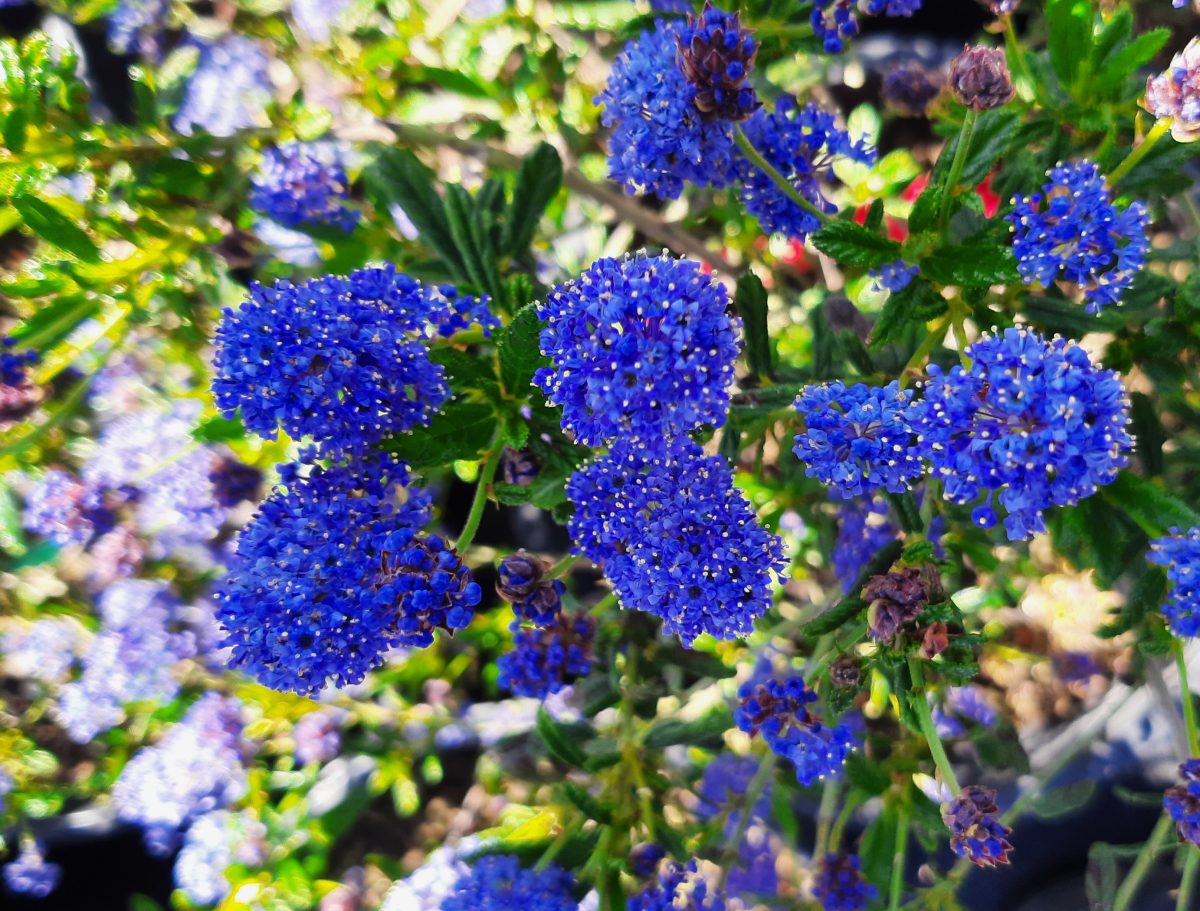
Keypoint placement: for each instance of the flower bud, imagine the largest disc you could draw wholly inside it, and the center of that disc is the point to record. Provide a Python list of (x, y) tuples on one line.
[(519, 575), (716, 56), (846, 671), (980, 79), (909, 89), (935, 640), (644, 858), (518, 467), (1176, 93)]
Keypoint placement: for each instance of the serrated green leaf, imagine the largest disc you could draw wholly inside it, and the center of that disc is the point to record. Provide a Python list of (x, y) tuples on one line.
[(994, 133), (562, 744), (461, 432), (978, 264), (917, 302), (511, 494), (710, 728), (219, 430), (55, 228), (1069, 27), (1128, 60), (1054, 802), (537, 183), (854, 245), (750, 299), (519, 352)]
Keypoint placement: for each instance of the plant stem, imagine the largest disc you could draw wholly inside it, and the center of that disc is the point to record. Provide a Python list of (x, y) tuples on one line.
[(956, 168), (603, 604), (487, 471), (1191, 867), (563, 566), (839, 825), (1186, 697), (1141, 866), (753, 792), (1157, 132), (1012, 45), (757, 159), (900, 857), (932, 338), (825, 815), (920, 706), (958, 316)]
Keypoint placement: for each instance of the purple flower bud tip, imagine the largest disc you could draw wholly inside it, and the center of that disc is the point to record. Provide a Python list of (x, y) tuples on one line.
[(980, 79)]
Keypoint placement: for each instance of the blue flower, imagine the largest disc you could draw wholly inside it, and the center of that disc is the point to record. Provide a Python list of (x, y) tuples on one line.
[(1182, 802), (643, 349), (340, 360), (864, 529), (778, 709), (229, 89), (318, 736), (19, 395), (31, 874), (306, 600), (726, 779), (975, 831), (678, 886), (1180, 554), (543, 661), (65, 510), (893, 277), (716, 56), (534, 599), (303, 183), (212, 843), (428, 585), (857, 440), (839, 884), (801, 143), (660, 139), (835, 22), (1073, 229), (136, 26), (316, 18), (457, 312), (961, 702), (499, 883), (676, 538), (1030, 419)]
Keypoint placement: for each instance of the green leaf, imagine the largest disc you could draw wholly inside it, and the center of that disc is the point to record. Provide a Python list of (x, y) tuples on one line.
[(15, 130), (1100, 881), (1130, 58), (219, 430), (1148, 431), (462, 431), (512, 494), (994, 133), (559, 740), (472, 242), (1149, 505), (54, 227), (519, 352), (537, 183), (750, 299), (917, 302), (854, 245), (1068, 27), (588, 805), (467, 371), (924, 214), (852, 605), (708, 729), (1061, 801), (979, 264)]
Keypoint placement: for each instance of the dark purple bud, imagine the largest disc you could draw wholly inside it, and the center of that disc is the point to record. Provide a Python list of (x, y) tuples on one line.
[(716, 55), (234, 482), (518, 467), (980, 79), (519, 575), (909, 89), (975, 832), (846, 671), (644, 858)]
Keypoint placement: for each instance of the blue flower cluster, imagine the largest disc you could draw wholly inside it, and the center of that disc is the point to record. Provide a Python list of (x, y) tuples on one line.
[(864, 529), (1073, 228), (63, 509), (1180, 554), (19, 395), (318, 736), (303, 602), (427, 585), (678, 886), (499, 883), (677, 539), (340, 360), (660, 139), (1182, 802), (643, 349), (229, 89), (434, 881), (234, 482), (801, 144), (47, 649), (962, 702), (136, 26), (30, 873), (303, 183), (1030, 419), (543, 661), (835, 22), (316, 18), (778, 709), (858, 439), (893, 277), (534, 599), (212, 843), (716, 55), (197, 767), (726, 778), (840, 886), (975, 831), (457, 312)]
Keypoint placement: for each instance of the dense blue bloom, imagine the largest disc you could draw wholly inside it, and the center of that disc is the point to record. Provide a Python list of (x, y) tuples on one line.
[(1180, 554), (428, 586), (46, 649), (676, 538), (716, 55), (229, 89), (801, 143), (14, 365), (660, 139), (519, 580), (340, 360), (864, 529), (31, 874), (839, 884), (499, 883), (196, 768), (433, 882), (678, 887), (305, 601), (136, 26), (1073, 229), (671, 6), (726, 778), (778, 709), (303, 183), (975, 831), (543, 661), (1182, 802), (893, 277), (857, 439), (1030, 419), (19, 395), (643, 349)]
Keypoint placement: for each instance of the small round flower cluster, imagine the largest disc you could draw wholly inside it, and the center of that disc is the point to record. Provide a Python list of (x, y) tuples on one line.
[(910, 89), (1180, 554), (778, 709), (1073, 229), (46, 649), (212, 843), (427, 585), (63, 509), (30, 873), (716, 55), (857, 439), (340, 360), (864, 529), (195, 769), (136, 26), (1031, 419), (975, 832), (520, 582), (678, 886), (643, 349), (1175, 94), (893, 277), (229, 89), (840, 886), (677, 539), (835, 22), (1182, 802), (303, 183), (543, 661), (318, 736), (801, 143), (499, 883), (303, 603), (896, 599), (966, 702)]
